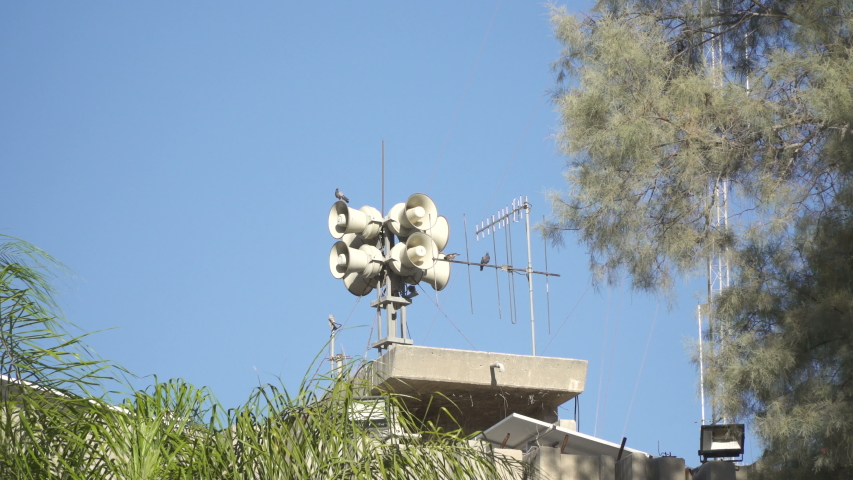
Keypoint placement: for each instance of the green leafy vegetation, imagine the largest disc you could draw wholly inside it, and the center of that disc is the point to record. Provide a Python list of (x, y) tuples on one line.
[(55, 426)]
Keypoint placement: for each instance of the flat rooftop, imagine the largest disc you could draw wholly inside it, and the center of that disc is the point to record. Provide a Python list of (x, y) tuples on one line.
[(474, 388)]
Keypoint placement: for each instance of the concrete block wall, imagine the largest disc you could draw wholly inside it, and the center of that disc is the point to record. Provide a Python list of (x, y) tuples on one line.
[(550, 464), (669, 468), (636, 467), (553, 465), (510, 473), (715, 471), (633, 468)]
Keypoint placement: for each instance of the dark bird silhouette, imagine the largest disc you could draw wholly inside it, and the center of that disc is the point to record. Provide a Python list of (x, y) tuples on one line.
[(451, 256), (410, 292), (340, 195), (333, 324), (485, 260)]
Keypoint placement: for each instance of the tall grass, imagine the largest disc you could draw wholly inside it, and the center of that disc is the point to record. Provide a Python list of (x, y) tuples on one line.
[(55, 425)]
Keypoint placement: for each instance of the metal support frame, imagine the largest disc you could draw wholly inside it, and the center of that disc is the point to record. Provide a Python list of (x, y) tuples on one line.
[(388, 298)]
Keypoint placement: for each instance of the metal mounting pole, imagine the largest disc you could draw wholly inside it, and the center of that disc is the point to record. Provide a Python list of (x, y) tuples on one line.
[(332, 358), (530, 274), (701, 363)]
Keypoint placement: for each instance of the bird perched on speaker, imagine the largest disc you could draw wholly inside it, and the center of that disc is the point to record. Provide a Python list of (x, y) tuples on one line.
[(340, 196), (451, 256), (485, 260)]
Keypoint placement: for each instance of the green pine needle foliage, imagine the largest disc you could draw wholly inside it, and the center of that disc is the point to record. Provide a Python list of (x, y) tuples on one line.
[(661, 100)]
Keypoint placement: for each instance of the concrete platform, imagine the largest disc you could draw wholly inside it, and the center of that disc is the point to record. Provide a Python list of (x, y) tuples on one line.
[(472, 387)]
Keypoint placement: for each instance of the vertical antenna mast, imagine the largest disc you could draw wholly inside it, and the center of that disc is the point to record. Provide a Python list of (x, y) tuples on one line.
[(701, 364), (547, 289), (718, 198), (468, 261), (530, 272), (334, 359)]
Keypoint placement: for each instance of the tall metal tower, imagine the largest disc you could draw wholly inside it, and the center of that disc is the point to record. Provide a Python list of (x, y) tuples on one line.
[(718, 208)]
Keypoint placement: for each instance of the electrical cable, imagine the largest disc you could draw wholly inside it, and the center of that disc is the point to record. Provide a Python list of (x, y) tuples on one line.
[(601, 368), (464, 93), (350, 313), (612, 355), (449, 320), (564, 321), (437, 312), (369, 336), (643, 362), (578, 413), (514, 154)]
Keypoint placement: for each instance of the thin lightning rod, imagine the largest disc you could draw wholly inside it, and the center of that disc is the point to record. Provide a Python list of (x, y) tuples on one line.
[(530, 273), (383, 177)]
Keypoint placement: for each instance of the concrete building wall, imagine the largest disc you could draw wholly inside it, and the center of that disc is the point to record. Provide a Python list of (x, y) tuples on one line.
[(510, 473), (550, 464), (715, 471)]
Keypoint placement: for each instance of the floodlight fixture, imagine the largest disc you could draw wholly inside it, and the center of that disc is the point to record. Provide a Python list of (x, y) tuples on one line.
[(724, 441)]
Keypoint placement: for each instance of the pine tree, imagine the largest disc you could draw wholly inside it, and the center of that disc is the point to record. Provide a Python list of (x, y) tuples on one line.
[(650, 125)]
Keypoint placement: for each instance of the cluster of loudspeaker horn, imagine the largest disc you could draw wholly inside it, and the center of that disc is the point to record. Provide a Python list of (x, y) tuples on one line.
[(412, 238)]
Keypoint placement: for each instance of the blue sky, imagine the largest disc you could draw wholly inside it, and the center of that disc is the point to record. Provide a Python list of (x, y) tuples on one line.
[(181, 158)]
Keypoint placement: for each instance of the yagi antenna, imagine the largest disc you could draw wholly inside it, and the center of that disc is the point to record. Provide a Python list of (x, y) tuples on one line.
[(519, 209)]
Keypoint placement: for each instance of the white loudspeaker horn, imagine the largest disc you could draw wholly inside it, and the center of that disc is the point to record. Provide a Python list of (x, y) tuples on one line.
[(366, 221), (418, 253), (436, 277), (366, 260), (359, 285), (440, 232), (420, 212), (392, 221), (352, 240)]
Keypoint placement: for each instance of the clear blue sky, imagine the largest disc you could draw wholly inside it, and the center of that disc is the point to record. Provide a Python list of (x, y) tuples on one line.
[(181, 158)]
